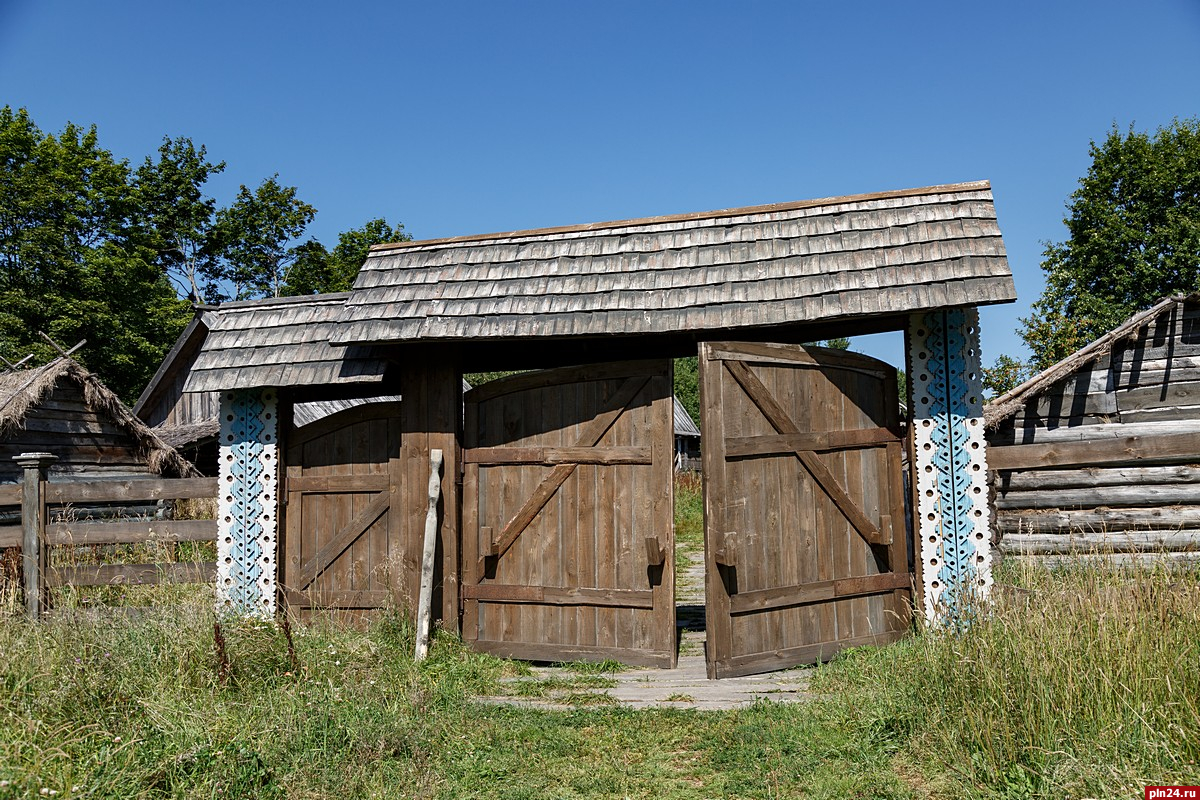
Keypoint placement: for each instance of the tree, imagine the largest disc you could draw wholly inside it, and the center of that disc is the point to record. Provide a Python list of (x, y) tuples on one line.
[(177, 218), (256, 237), (74, 259), (318, 271), (1134, 226)]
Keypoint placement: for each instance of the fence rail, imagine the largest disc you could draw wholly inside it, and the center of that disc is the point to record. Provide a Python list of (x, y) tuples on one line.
[(45, 524)]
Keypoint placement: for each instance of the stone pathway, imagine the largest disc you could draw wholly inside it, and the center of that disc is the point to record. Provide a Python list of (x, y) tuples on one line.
[(687, 686)]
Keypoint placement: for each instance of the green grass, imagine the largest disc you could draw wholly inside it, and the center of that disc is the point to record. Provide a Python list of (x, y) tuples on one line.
[(1085, 685), (689, 518)]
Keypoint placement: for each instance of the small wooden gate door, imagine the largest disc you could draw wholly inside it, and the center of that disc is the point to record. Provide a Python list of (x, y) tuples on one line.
[(340, 549), (805, 544), (568, 544)]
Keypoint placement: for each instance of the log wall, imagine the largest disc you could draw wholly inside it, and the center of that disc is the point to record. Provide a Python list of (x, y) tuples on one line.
[(86, 441), (1108, 458)]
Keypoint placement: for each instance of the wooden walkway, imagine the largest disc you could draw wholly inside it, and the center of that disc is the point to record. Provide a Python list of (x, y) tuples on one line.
[(686, 686)]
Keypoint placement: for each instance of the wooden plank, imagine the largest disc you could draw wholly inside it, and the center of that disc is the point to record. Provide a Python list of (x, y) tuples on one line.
[(1107, 450), (325, 598), (1099, 520), (818, 592), (1026, 480), (81, 533), (1141, 561), (561, 596), (782, 423), (343, 539), (1162, 414), (132, 574), (540, 651), (752, 663), (10, 536), (117, 491), (338, 484), (561, 376), (1112, 496), (1103, 542), (1026, 436), (10, 494), (778, 444), (298, 437), (549, 485), (551, 456), (790, 356)]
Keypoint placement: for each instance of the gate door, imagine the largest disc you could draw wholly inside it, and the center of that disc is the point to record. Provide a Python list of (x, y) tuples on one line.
[(567, 519), (337, 551), (805, 544)]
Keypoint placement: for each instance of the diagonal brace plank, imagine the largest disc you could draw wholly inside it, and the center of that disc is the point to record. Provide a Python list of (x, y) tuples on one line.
[(344, 538), (589, 437), (782, 422)]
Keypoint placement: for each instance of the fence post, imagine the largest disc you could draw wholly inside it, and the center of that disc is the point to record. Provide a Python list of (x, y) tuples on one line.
[(34, 558)]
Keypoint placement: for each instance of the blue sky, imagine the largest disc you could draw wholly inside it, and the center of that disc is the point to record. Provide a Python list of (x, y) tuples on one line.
[(460, 118)]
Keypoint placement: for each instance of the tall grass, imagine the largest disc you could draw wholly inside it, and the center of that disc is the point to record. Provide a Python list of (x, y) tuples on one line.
[(1084, 683), (144, 708)]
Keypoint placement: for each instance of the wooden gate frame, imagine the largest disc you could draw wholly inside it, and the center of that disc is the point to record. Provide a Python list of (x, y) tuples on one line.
[(789, 439), (564, 461)]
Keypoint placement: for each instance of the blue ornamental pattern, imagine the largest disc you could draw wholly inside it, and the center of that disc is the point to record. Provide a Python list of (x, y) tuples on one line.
[(951, 471), (246, 556)]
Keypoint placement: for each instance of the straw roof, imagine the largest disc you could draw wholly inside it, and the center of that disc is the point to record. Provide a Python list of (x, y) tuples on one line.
[(23, 390)]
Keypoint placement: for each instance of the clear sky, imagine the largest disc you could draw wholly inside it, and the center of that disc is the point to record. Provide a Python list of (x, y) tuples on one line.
[(472, 117)]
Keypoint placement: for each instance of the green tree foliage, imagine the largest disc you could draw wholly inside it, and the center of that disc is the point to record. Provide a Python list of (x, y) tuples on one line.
[(76, 255), (687, 385), (179, 218), (318, 270), (257, 238), (1134, 226)]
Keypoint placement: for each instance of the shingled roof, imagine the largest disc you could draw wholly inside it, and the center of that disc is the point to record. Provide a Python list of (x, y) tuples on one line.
[(280, 342), (878, 254)]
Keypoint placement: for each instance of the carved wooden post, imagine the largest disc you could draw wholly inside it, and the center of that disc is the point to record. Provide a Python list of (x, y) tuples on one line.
[(424, 602), (246, 503), (950, 470), (34, 557)]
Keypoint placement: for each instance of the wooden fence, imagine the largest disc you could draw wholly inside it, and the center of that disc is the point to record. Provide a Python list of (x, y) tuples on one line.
[(46, 524)]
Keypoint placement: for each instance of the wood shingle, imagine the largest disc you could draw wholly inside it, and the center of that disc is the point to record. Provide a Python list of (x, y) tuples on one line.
[(879, 254), (283, 342)]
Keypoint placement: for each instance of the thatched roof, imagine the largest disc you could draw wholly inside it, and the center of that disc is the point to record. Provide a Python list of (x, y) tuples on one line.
[(179, 436), (1009, 403), (23, 390), (887, 254)]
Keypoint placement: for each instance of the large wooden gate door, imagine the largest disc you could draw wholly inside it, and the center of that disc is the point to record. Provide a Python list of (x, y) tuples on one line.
[(340, 550), (567, 515), (805, 544)]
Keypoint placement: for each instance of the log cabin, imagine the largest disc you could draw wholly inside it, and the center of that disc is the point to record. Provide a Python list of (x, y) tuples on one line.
[(1100, 453)]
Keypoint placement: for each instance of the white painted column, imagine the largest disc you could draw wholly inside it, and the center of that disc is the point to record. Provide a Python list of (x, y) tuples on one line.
[(950, 487), (247, 528)]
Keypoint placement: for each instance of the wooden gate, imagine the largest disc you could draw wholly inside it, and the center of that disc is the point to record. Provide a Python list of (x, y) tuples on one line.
[(805, 544), (568, 544), (341, 549)]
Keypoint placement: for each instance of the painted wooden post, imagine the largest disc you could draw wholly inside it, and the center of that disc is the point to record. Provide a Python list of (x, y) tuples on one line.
[(950, 470), (247, 503), (35, 559)]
